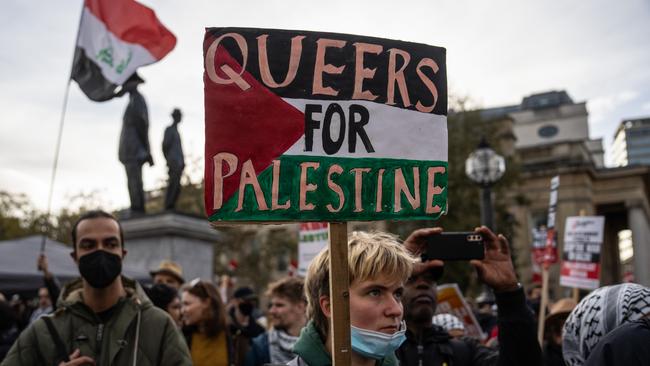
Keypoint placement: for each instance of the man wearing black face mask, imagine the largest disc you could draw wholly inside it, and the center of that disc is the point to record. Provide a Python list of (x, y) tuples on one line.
[(102, 318), (429, 345)]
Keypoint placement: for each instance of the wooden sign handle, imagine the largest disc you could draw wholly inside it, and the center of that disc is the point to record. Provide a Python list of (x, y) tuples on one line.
[(542, 306), (339, 294)]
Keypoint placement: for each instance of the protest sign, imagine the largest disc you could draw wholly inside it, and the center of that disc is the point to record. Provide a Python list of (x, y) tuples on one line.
[(451, 301), (312, 239), (310, 126), (537, 254), (583, 237)]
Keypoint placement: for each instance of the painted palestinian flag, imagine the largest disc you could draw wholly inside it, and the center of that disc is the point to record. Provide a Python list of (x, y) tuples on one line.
[(115, 38), (306, 126)]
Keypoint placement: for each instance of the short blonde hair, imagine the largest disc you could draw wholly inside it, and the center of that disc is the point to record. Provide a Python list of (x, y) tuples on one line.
[(370, 255)]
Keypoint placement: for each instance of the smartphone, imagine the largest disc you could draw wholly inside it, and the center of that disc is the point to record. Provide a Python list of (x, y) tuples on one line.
[(455, 246)]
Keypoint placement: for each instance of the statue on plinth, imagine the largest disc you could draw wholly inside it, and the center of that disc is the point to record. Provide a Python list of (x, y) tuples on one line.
[(134, 142), (173, 151)]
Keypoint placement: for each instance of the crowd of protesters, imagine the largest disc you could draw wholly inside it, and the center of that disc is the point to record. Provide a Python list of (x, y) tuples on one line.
[(106, 318)]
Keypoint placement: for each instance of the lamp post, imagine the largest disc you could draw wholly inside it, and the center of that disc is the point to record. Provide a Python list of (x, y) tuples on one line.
[(485, 167)]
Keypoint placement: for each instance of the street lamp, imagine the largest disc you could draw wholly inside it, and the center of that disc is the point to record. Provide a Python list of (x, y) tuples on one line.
[(485, 167)]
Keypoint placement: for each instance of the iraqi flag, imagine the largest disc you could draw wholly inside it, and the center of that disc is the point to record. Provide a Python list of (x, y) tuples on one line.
[(115, 38), (311, 126)]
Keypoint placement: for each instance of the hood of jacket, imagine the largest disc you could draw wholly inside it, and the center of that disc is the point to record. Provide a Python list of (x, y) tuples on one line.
[(433, 334), (71, 297)]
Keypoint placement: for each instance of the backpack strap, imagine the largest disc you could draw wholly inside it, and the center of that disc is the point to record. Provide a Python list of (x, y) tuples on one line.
[(58, 343)]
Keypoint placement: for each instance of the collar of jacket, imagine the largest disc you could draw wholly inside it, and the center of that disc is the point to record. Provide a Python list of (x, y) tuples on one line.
[(433, 334), (72, 293), (311, 349)]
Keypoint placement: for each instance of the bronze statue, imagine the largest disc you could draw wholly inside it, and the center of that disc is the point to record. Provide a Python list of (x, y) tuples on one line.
[(134, 142), (173, 151)]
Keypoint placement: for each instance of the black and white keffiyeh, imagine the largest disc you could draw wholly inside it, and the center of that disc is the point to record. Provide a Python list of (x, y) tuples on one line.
[(598, 314), (281, 346), (448, 322)]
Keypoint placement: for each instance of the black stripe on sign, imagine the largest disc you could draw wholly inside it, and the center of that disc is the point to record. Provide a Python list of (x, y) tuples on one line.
[(278, 51)]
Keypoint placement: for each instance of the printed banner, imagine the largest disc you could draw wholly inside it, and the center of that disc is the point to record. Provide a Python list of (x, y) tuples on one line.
[(314, 237), (583, 237), (309, 126), (451, 301), (538, 252)]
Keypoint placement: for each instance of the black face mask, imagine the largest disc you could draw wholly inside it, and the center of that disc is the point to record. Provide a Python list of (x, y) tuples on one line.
[(246, 308), (100, 268)]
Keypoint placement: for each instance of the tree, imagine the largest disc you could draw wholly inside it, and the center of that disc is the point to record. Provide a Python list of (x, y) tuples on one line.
[(18, 217)]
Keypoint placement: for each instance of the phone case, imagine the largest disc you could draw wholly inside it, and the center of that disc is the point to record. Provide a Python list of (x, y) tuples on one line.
[(455, 246)]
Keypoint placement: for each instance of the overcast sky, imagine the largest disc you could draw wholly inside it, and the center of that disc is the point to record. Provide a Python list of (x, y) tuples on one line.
[(497, 53)]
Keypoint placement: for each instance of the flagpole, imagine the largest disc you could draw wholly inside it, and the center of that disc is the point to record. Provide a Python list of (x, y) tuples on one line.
[(55, 164), (57, 149)]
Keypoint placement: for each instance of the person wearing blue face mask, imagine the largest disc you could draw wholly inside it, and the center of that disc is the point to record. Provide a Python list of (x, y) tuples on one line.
[(102, 318), (378, 265)]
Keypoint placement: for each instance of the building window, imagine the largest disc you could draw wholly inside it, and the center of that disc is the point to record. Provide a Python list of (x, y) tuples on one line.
[(547, 131), (625, 248)]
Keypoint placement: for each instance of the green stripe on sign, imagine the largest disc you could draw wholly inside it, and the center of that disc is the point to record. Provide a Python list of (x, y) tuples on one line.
[(340, 189)]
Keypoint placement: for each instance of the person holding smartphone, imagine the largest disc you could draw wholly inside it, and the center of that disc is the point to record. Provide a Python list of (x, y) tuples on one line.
[(427, 344)]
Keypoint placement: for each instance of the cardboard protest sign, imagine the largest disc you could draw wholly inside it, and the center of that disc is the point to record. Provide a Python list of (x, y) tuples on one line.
[(451, 301), (313, 238), (310, 126), (583, 237), (539, 249)]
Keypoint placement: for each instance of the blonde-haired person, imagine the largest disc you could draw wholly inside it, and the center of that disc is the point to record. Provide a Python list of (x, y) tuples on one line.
[(378, 265)]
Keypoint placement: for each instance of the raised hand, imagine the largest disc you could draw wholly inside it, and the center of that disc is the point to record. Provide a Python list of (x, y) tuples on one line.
[(416, 244), (496, 269)]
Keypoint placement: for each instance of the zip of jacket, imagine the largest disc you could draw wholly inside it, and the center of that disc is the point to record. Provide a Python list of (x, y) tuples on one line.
[(99, 337)]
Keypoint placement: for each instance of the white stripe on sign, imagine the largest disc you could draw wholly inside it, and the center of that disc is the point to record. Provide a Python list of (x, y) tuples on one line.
[(116, 58), (392, 132)]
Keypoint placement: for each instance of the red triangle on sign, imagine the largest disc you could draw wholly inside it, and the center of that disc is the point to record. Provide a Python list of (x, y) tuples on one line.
[(252, 124)]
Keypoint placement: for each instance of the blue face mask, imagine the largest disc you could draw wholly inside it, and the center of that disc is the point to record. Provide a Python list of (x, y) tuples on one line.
[(376, 345)]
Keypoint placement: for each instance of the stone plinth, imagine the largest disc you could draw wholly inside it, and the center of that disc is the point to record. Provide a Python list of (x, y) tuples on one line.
[(186, 240)]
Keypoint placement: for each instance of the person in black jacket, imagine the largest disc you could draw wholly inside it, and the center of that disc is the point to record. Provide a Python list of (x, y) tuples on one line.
[(626, 345), (429, 345), (598, 314)]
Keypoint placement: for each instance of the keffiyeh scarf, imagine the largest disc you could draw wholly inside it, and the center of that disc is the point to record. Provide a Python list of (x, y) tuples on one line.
[(598, 314), (448, 322), (281, 346)]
